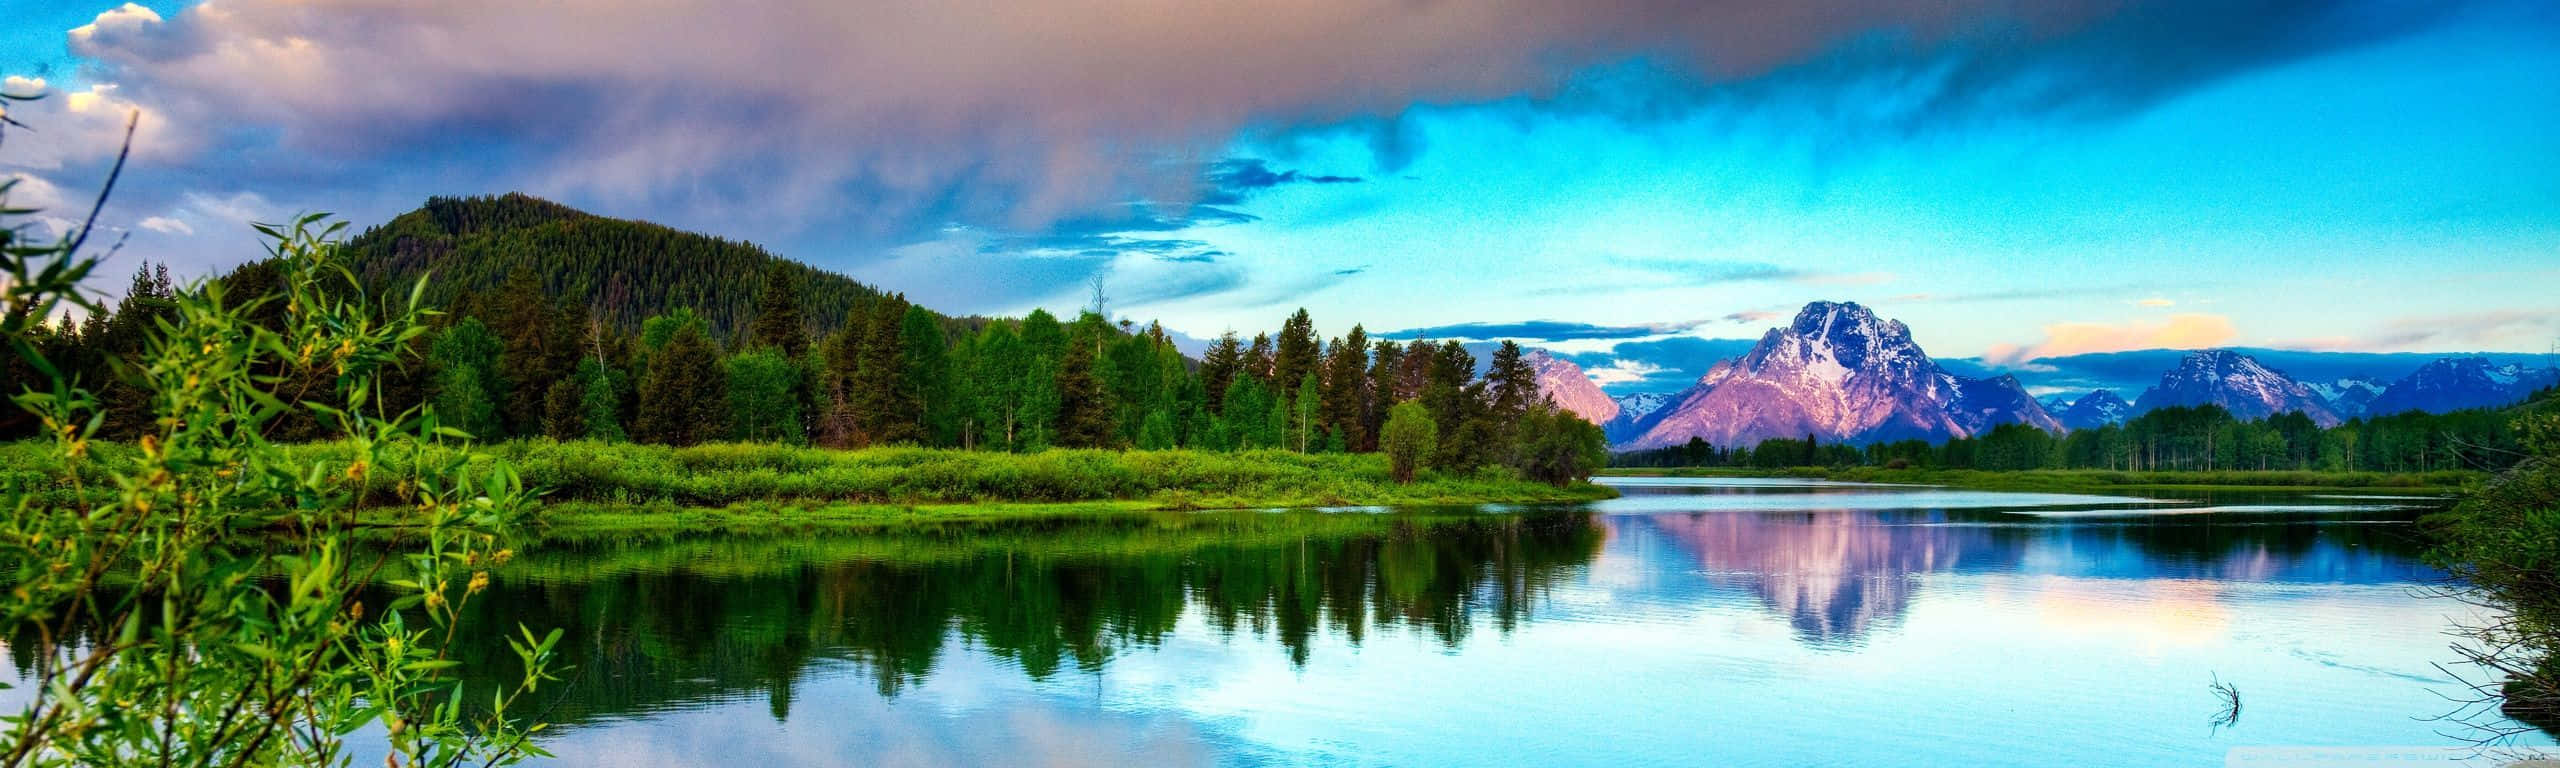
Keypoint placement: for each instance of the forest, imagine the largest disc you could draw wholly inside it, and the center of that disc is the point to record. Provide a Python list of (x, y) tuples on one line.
[(2203, 438), (739, 346)]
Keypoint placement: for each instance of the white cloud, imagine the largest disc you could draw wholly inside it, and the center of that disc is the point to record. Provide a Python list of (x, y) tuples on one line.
[(167, 226), (1621, 371)]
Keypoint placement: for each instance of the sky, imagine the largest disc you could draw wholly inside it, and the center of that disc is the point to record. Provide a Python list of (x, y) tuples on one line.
[(1623, 179)]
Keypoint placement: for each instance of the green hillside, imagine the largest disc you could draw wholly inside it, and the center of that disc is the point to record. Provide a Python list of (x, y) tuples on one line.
[(624, 270)]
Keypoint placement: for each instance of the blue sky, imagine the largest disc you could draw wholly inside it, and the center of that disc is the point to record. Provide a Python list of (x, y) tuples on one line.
[(2365, 175)]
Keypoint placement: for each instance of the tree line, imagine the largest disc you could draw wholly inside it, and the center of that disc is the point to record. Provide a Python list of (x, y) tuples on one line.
[(521, 360), (2197, 438)]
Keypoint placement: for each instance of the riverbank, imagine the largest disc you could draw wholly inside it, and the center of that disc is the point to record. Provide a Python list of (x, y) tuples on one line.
[(2097, 481), (608, 484)]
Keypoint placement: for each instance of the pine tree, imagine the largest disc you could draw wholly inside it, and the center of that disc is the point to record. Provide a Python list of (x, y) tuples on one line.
[(884, 411), (599, 402), (780, 320), (1257, 359), (1220, 365), (1384, 389), (840, 359), (1298, 350), (1084, 405), (564, 416), (925, 376), (1346, 388), (539, 348), (683, 395)]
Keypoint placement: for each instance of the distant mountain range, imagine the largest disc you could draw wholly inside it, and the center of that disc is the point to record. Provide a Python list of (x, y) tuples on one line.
[(1841, 374), (1838, 373)]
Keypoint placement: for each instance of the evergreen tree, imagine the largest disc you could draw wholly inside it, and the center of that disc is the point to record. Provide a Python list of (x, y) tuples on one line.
[(1385, 389), (599, 403), (564, 416), (1298, 350), (925, 375), (1221, 364), (1346, 388), (683, 397), (884, 409), (1084, 405), (541, 348), (1257, 358), (839, 363), (780, 321), (121, 336)]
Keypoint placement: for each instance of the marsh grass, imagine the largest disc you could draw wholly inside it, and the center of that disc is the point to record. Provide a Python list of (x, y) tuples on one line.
[(739, 483)]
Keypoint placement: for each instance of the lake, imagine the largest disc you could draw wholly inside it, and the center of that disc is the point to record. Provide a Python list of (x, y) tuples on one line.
[(1691, 622)]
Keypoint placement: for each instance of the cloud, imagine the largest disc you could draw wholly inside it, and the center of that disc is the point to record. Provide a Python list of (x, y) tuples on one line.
[(2512, 329), (897, 118), (2183, 331), (1540, 330), (1231, 180), (1623, 371), (1753, 316), (167, 226), (2156, 302)]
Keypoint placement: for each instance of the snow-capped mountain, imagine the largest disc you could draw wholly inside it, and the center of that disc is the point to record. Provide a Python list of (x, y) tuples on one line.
[(1838, 373), (2455, 383), (1985, 403), (1642, 404), (2096, 409), (1570, 388), (2348, 398), (2238, 383)]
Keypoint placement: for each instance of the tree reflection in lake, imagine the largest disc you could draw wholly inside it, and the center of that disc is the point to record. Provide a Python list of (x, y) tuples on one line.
[(1425, 635), (682, 621)]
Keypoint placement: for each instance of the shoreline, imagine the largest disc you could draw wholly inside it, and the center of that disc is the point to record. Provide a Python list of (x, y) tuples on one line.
[(2442, 483)]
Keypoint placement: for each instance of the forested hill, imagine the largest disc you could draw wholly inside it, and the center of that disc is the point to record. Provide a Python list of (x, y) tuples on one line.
[(624, 270)]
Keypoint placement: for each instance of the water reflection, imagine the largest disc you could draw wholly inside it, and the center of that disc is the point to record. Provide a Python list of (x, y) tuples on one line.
[(674, 622), (1838, 574), (1769, 624)]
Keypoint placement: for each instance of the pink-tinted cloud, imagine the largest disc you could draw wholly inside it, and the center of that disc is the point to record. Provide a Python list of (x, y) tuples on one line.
[(1033, 110), (2183, 331), (2514, 329)]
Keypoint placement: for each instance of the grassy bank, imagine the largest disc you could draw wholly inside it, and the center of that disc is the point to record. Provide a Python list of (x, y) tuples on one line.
[(2097, 480), (750, 483)]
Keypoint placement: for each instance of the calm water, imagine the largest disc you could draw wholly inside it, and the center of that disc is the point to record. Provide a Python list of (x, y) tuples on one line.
[(1692, 622)]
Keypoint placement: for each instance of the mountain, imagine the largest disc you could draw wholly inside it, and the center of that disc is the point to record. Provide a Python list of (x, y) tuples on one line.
[(2455, 383), (624, 270), (1985, 403), (1642, 404), (1571, 389), (2096, 409), (1838, 373), (2238, 383), (2349, 398)]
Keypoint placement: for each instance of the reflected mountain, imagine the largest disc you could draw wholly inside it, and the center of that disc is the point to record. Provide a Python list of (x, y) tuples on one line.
[(1836, 575)]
